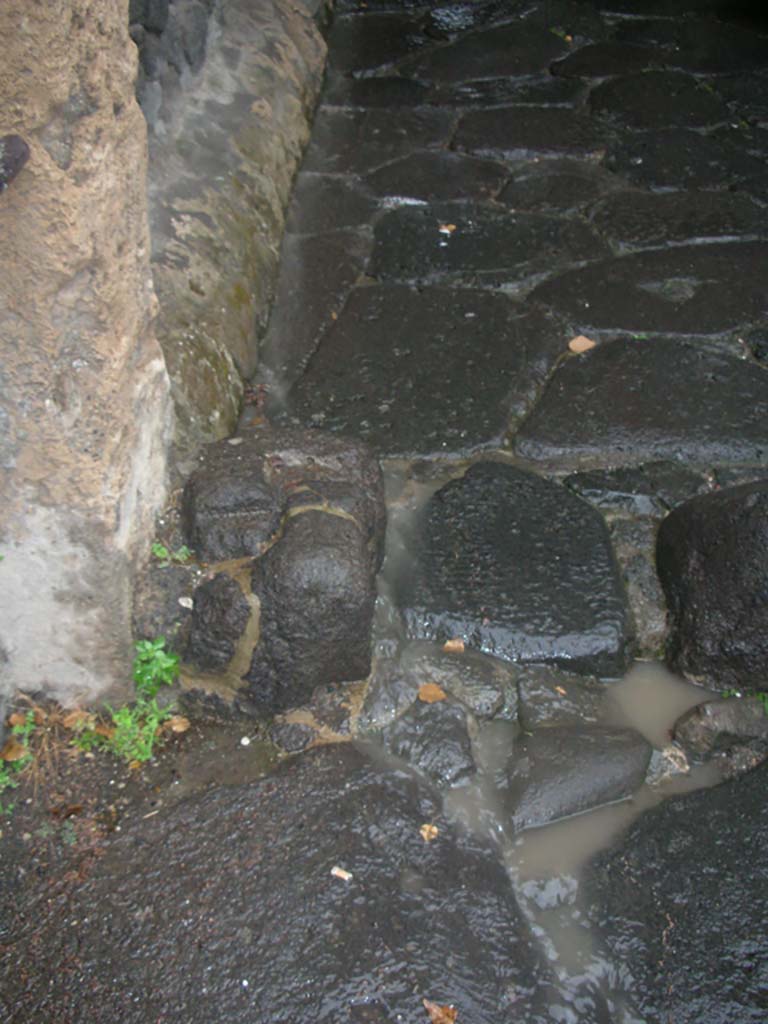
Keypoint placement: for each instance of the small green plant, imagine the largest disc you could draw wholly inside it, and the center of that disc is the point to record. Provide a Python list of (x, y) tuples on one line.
[(133, 729), (760, 695), (17, 757), (167, 557)]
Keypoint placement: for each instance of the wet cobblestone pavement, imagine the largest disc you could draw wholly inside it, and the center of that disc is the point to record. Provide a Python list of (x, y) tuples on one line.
[(526, 262)]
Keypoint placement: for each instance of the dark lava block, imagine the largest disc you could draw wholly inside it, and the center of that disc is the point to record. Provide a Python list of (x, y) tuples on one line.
[(438, 175), (718, 727), (536, 90), (550, 696), (632, 401), (433, 738), (427, 371), (518, 567), (695, 289), (499, 52), (235, 501), (556, 186), (560, 771), (367, 46), (651, 219), (657, 99), (649, 490), (712, 557), (358, 141), (317, 590), (233, 906), (476, 241), (219, 618), (681, 901), (681, 159), (341, 91), (324, 202), (599, 60), (322, 269), (516, 133)]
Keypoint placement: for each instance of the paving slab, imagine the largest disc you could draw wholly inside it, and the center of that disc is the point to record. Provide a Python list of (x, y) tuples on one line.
[(476, 240), (557, 186), (370, 44), (657, 99), (680, 902), (681, 159), (322, 269), (440, 174), (328, 202), (386, 91), (309, 895), (693, 289), (701, 45), (645, 219), (417, 372), (519, 133), (600, 60), (632, 401), (503, 51), (518, 567), (359, 141), (535, 90), (745, 94), (649, 490)]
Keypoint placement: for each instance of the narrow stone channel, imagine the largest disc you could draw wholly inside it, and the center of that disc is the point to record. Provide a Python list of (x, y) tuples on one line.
[(525, 266)]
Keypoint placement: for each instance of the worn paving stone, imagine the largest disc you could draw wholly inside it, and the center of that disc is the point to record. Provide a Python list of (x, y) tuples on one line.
[(695, 289), (633, 401), (487, 686), (551, 696), (700, 45), (244, 893), (364, 46), (359, 141), (602, 59), (649, 490), (697, 861), (680, 159), (652, 219), (519, 568), (387, 92), (557, 186), (559, 771), (712, 556), (540, 90), (745, 94), (657, 99), (326, 202), (476, 242), (519, 133), (426, 371), (435, 739), (502, 51), (321, 269), (438, 175)]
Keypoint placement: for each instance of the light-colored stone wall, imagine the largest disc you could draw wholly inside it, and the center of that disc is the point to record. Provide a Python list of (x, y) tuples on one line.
[(85, 414), (221, 167)]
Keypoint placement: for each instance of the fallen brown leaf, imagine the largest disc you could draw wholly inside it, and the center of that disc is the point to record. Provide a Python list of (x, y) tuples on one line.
[(455, 646), (178, 723), (440, 1014), (431, 693), (342, 873), (581, 343), (428, 832), (75, 719), (13, 750), (107, 731), (17, 719), (446, 229), (562, 691)]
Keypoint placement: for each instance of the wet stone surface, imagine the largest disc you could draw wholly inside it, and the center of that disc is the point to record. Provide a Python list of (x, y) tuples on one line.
[(518, 133), (438, 175), (712, 555), (556, 186), (435, 739), (628, 401), (600, 60), (642, 219), (649, 490), (657, 99), (519, 568), (681, 900), (560, 771), (476, 242), (423, 371), (268, 931), (673, 291)]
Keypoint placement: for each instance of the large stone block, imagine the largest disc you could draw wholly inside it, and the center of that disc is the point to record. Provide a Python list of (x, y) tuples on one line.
[(712, 558), (295, 522), (85, 412)]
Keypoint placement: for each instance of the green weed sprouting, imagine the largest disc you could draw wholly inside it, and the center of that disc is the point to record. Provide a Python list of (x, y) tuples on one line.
[(10, 770)]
